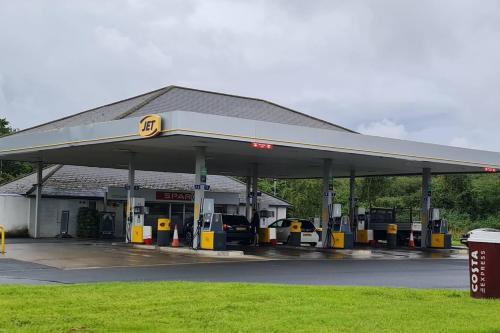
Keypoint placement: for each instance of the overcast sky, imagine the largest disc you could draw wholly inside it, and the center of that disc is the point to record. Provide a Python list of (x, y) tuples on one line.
[(420, 70)]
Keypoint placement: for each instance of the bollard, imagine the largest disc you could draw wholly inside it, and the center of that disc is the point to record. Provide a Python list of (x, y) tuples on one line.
[(163, 235), (264, 236), (2, 230), (295, 233), (272, 236), (392, 235), (147, 235)]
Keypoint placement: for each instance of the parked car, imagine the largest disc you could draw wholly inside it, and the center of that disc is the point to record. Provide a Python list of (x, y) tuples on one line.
[(308, 235), (237, 228)]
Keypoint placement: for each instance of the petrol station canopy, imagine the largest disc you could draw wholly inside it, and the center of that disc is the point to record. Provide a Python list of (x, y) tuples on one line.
[(237, 132)]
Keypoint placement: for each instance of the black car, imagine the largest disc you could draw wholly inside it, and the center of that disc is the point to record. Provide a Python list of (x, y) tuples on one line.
[(237, 228)]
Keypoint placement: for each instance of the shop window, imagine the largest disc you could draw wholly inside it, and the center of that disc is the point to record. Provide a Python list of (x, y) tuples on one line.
[(220, 209)]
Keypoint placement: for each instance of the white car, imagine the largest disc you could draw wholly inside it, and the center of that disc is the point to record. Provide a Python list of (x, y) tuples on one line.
[(308, 234)]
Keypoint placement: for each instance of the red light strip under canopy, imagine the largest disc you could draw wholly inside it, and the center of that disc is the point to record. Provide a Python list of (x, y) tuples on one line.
[(259, 145)]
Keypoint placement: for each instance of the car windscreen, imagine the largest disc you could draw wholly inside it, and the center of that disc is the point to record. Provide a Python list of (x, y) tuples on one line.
[(307, 224), (234, 220)]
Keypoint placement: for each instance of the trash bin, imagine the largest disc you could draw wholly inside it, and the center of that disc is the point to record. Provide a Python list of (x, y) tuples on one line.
[(484, 263), (295, 233), (392, 236), (163, 235)]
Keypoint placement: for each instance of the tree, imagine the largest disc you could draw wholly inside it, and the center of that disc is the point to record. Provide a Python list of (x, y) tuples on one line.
[(11, 169), (4, 127)]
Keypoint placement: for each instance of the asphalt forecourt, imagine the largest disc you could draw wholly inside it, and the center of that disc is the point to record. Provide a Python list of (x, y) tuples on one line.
[(230, 307), (436, 273)]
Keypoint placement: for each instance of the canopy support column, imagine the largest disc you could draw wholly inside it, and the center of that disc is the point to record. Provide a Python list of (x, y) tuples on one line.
[(352, 201), (327, 199), (248, 212), (255, 187), (199, 192), (130, 196), (426, 205), (38, 197)]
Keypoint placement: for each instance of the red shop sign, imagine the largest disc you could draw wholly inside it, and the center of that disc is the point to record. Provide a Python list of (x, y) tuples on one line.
[(174, 196)]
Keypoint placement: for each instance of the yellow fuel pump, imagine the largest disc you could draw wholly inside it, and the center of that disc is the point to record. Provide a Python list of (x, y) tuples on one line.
[(438, 229)]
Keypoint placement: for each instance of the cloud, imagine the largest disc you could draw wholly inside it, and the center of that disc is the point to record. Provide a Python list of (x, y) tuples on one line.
[(384, 128), (426, 70)]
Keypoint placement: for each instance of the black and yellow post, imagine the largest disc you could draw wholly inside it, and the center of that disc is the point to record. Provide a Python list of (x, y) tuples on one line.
[(392, 236), (295, 233), (163, 235)]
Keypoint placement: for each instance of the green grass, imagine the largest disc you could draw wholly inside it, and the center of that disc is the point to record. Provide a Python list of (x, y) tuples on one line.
[(218, 307)]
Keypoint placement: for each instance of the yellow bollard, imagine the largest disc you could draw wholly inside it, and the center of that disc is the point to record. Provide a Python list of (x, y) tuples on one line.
[(2, 230)]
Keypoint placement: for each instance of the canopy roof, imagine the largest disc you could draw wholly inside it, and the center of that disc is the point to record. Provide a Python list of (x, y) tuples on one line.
[(87, 182), (228, 131), (173, 98)]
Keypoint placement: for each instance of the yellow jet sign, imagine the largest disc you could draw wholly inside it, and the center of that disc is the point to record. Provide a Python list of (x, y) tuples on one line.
[(150, 126)]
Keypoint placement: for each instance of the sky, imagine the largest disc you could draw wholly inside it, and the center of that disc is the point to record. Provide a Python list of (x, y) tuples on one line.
[(419, 70)]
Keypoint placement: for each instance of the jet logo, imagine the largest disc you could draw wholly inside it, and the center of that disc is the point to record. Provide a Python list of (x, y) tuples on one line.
[(150, 126)]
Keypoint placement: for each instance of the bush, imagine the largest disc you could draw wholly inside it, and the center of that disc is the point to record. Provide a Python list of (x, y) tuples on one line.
[(460, 223), (88, 223)]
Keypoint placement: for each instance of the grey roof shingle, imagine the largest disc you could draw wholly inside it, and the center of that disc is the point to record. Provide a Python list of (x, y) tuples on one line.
[(230, 106), (186, 99), (104, 113), (79, 181)]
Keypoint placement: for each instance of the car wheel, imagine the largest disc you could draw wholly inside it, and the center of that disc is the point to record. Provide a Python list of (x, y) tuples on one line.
[(288, 240), (313, 244)]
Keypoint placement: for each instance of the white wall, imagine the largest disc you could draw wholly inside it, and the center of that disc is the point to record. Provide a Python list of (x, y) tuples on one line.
[(281, 213), (117, 208), (14, 212), (50, 215)]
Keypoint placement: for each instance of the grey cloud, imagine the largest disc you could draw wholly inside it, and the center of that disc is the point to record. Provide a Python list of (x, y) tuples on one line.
[(428, 67)]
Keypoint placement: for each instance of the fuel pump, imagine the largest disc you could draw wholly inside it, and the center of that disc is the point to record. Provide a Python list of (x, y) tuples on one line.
[(334, 215), (342, 233), (213, 236), (438, 230), (207, 207), (137, 224), (363, 233)]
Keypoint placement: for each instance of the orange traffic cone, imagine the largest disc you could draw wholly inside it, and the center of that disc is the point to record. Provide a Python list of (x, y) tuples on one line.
[(175, 241), (411, 242)]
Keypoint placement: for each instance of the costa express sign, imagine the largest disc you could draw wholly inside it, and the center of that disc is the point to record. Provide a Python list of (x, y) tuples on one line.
[(150, 126), (174, 196)]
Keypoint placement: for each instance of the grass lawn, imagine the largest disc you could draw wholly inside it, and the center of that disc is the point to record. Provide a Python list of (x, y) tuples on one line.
[(232, 307)]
